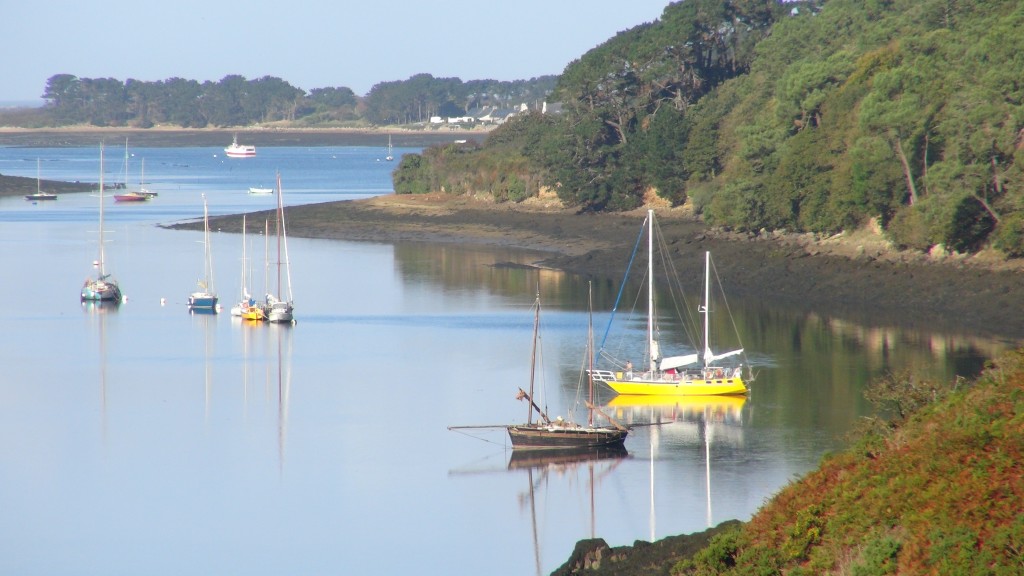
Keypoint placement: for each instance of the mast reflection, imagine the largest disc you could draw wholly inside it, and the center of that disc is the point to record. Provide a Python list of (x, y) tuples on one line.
[(687, 421), (97, 311), (562, 463)]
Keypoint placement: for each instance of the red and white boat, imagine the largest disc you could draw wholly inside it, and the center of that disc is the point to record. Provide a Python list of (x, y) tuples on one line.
[(237, 150)]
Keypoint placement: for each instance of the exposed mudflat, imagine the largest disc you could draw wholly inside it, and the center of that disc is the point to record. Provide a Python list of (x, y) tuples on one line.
[(857, 276)]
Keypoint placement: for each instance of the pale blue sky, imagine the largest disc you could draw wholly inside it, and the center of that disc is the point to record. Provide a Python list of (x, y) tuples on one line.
[(308, 43)]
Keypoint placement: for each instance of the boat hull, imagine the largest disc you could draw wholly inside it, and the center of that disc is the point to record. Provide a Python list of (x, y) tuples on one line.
[(100, 291), (546, 437), (131, 197), (732, 385), (279, 312), (202, 303), (247, 311), (239, 151)]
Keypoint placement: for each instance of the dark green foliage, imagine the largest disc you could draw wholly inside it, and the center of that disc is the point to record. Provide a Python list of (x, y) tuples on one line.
[(422, 96), (660, 150), (879, 558), (412, 175), (236, 101), (808, 116), (233, 101), (1009, 236)]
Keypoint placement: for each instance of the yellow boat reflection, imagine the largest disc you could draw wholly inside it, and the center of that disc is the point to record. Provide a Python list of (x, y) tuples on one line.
[(717, 408)]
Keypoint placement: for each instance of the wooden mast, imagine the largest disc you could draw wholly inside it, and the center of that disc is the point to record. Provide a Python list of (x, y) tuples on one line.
[(533, 357)]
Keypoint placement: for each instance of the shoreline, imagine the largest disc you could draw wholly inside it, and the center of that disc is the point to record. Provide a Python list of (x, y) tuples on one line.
[(855, 278), (157, 137)]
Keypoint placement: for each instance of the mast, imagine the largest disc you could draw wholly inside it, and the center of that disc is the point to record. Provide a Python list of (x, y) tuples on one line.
[(266, 257), (244, 295), (284, 238), (650, 290), (590, 354), (126, 165), (707, 307), (208, 271), (279, 210), (38, 185), (533, 355), (102, 273)]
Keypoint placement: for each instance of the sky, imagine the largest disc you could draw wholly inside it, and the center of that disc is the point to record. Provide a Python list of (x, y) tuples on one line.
[(307, 43)]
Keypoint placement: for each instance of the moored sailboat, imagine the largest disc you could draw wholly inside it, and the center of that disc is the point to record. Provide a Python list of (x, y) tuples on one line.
[(277, 309), (246, 309), (561, 434), (101, 288), (39, 194), (205, 298), (676, 375), (129, 195)]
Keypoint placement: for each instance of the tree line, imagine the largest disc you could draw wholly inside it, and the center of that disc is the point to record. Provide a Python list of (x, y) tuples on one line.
[(807, 116), (237, 101)]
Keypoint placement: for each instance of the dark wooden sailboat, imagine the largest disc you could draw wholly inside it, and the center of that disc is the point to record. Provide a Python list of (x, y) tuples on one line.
[(547, 434)]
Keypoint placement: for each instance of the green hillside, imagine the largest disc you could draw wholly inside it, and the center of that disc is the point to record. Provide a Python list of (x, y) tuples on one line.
[(805, 116), (934, 488), (939, 492)]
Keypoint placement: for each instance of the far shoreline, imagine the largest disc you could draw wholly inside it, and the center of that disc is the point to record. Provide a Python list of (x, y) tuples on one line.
[(158, 137)]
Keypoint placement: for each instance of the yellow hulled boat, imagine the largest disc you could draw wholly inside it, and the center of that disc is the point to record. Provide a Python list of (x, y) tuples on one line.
[(697, 374)]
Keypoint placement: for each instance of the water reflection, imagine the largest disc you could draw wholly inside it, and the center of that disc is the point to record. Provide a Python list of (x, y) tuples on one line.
[(97, 311), (545, 467), (283, 339), (684, 421), (266, 363)]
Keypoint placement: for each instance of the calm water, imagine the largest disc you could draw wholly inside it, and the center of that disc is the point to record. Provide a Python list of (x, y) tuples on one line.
[(145, 440)]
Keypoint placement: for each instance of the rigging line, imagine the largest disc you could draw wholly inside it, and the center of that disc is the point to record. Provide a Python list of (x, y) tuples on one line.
[(728, 310), (468, 435), (636, 248), (676, 291), (691, 324)]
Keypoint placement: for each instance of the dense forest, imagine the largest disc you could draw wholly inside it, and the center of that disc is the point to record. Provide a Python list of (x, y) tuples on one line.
[(236, 101), (815, 116)]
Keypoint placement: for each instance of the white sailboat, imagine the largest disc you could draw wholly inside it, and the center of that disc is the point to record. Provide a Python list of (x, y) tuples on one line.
[(129, 195), (278, 309), (40, 195), (391, 155), (246, 307), (675, 375), (205, 298), (101, 288)]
